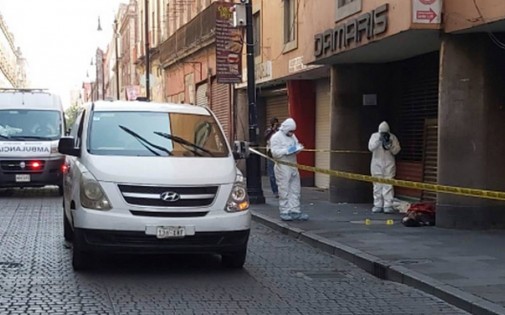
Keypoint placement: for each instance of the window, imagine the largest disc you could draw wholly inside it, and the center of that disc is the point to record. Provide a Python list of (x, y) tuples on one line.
[(341, 3), (346, 8), (77, 129), (30, 125), (290, 27), (188, 9), (156, 134), (257, 34)]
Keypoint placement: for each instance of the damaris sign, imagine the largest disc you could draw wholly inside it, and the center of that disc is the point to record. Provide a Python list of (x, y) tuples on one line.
[(343, 35)]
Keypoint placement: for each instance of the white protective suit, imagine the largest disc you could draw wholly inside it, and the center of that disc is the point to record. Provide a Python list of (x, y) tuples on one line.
[(287, 177), (383, 165)]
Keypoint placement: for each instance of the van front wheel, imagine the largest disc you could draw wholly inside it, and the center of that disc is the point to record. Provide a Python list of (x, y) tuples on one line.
[(81, 260), (234, 260), (67, 229)]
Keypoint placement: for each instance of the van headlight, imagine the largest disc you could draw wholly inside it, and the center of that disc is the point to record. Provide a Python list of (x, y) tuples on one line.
[(92, 194), (239, 198)]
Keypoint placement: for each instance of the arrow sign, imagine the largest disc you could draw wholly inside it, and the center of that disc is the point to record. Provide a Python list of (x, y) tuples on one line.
[(429, 15), (427, 11)]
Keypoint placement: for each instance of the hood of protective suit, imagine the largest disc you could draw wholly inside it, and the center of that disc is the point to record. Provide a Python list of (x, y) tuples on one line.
[(383, 127), (288, 125)]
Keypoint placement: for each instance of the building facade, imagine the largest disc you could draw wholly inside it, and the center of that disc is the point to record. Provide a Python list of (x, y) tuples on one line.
[(187, 59), (432, 68), (12, 63)]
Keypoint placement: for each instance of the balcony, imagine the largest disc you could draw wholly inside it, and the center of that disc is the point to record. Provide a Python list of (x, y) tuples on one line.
[(190, 37)]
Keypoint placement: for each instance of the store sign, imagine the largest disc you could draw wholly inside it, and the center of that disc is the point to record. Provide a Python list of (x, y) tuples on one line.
[(229, 44), (427, 11), (368, 25), (296, 65), (263, 71)]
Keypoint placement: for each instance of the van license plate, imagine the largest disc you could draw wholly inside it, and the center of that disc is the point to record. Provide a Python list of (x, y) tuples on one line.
[(170, 232), (22, 178)]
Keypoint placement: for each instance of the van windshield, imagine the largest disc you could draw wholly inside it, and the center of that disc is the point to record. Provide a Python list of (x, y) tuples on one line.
[(155, 134), (30, 125)]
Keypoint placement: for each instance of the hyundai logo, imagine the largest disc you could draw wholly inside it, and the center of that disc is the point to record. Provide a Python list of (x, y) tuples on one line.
[(170, 196), (22, 165)]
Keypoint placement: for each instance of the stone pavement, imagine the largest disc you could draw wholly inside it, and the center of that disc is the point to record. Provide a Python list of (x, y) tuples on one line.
[(282, 276), (463, 267)]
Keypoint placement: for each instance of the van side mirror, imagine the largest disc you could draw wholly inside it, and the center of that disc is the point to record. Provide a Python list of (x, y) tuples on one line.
[(66, 146), (241, 150)]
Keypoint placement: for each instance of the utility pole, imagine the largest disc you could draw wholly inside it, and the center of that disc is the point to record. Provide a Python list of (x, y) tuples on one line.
[(148, 92), (253, 162)]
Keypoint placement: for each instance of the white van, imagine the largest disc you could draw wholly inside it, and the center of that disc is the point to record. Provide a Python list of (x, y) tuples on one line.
[(147, 177), (31, 123)]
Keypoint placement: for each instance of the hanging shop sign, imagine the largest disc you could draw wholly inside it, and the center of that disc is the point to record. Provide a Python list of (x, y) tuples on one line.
[(229, 44), (367, 25)]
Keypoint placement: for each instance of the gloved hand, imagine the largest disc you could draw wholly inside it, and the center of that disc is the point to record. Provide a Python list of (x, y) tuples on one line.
[(292, 149), (385, 138)]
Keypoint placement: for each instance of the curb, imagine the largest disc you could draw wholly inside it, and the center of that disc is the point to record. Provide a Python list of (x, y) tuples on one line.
[(384, 270)]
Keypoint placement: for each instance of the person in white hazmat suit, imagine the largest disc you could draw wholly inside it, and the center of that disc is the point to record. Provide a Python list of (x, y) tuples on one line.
[(384, 146), (284, 146)]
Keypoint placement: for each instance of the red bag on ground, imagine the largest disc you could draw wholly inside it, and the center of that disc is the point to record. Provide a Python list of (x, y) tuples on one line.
[(420, 214)]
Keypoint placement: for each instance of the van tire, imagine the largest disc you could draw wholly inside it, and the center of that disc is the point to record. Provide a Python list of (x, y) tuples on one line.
[(80, 260), (234, 260), (67, 228)]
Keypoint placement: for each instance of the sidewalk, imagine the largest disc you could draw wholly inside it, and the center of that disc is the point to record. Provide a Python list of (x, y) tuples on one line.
[(464, 268)]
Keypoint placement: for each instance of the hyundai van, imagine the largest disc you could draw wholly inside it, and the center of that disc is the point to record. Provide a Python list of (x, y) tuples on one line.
[(145, 177)]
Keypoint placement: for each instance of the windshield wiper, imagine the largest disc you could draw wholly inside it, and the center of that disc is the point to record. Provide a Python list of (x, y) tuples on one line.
[(29, 138), (184, 142), (143, 142), (4, 137)]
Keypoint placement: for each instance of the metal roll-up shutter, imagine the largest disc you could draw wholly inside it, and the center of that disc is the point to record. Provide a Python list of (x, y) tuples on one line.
[(277, 106), (221, 105), (419, 103), (323, 131), (201, 95), (430, 161)]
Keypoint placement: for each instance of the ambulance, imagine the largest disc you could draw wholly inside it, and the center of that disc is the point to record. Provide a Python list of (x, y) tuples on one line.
[(31, 124)]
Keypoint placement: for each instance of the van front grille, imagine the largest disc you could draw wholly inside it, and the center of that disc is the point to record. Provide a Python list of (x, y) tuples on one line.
[(170, 197)]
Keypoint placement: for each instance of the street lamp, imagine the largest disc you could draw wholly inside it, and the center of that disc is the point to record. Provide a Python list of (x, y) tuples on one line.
[(146, 26), (102, 63), (116, 36), (99, 73)]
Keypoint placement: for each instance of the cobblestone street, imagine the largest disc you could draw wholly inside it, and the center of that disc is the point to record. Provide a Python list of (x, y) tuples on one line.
[(281, 276)]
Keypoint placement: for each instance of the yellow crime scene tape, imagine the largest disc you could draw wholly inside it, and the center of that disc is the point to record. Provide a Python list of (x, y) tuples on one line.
[(467, 192), (326, 151)]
